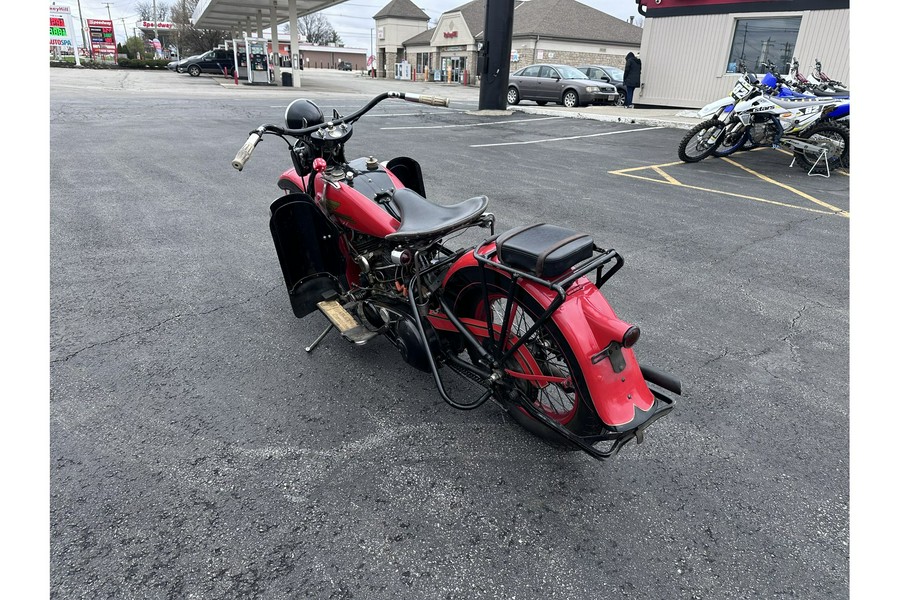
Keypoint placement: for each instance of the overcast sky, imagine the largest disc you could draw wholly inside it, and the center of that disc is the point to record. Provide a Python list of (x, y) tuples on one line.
[(352, 20)]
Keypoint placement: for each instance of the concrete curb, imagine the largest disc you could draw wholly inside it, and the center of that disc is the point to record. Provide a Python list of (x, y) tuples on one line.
[(676, 122)]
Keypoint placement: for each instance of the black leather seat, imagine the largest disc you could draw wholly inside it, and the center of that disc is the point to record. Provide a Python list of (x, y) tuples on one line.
[(420, 218)]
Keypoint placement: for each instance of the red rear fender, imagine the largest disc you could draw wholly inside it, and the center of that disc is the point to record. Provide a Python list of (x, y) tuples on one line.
[(589, 325)]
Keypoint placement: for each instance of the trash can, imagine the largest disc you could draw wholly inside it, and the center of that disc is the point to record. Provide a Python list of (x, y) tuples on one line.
[(287, 79)]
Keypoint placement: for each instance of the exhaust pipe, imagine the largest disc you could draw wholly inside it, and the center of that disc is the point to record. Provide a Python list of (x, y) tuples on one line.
[(663, 380)]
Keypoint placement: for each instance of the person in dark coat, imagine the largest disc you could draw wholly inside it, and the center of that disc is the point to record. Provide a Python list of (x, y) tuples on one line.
[(632, 78)]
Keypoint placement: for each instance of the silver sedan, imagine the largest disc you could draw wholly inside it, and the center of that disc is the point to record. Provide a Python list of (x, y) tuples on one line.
[(561, 84)]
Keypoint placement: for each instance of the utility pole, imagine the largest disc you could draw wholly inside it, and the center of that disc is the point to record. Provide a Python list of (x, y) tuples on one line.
[(155, 31), (111, 22), (85, 39)]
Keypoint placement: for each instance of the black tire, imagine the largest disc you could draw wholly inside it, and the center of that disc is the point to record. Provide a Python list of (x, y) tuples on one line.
[(830, 135), (620, 100), (565, 403), (512, 95), (570, 99), (735, 138), (194, 71), (701, 141)]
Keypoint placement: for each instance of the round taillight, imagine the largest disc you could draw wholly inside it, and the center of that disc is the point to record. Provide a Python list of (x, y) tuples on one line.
[(631, 336)]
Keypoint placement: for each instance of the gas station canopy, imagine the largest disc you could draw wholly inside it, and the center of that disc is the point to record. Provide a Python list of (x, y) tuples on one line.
[(224, 14)]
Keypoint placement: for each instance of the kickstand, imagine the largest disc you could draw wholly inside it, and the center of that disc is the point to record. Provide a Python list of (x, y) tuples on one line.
[(823, 155), (321, 337)]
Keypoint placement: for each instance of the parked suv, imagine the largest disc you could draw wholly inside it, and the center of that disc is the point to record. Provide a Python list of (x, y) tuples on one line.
[(607, 74), (214, 61), (345, 66), (561, 84)]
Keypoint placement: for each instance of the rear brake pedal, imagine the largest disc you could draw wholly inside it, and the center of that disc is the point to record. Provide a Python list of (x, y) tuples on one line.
[(346, 323)]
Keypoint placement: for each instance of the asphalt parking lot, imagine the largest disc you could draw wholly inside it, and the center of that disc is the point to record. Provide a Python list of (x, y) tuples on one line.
[(196, 451)]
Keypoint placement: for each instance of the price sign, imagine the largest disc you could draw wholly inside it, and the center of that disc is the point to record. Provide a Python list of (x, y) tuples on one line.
[(61, 27), (103, 39)]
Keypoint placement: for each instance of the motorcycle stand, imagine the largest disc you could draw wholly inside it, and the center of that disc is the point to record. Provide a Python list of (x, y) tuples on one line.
[(823, 155), (321, 337)]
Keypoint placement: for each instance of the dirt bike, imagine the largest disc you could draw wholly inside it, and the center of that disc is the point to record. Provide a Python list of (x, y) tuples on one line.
[(821, 86), (517, 314), (822, 79), (807, 126)]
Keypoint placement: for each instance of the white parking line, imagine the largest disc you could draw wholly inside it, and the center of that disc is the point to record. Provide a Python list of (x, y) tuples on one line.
[(414, 114), (408, 114), (473, 124), (562, 139)]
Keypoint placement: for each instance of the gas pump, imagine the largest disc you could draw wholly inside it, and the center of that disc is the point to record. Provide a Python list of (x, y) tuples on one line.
[(258, 59), (240, 57)]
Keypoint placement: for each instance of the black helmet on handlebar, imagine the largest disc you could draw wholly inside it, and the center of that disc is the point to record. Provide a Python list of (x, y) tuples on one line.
[(303, 113)]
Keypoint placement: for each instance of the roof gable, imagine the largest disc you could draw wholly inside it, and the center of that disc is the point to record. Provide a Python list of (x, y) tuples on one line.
[(573, 20), (402, 9), (567, 19)]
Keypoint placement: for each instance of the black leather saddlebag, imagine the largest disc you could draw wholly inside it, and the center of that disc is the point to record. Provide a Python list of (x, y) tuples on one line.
[(543, 250)]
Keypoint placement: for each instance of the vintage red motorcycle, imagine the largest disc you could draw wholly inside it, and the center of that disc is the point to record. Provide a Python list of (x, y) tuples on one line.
[(516, 314)]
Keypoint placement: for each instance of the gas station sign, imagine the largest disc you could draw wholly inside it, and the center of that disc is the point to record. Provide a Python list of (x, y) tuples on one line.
[(103, 38), (151, 26), (61, 30), (165, 25)]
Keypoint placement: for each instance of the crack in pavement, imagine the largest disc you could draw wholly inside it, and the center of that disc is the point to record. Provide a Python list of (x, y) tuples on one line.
[(786, 228), (161, 323)]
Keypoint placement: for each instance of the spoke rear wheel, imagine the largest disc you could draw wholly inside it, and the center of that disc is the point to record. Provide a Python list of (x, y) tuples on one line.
[(829, 136), (553, 380), (540, 356)]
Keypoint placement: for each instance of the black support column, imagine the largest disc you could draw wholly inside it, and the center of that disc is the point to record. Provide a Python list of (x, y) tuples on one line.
[(494, 54)]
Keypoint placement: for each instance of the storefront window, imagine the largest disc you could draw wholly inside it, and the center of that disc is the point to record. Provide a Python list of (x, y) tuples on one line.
[(761, 41), (423, 60)]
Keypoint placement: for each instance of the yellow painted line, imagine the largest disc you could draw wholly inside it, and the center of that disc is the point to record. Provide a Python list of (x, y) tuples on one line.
[(667, 177), (804, 195), (623, 171), (791, 154), (626, 173)]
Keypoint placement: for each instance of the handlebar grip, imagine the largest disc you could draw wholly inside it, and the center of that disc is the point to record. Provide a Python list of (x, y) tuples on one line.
[(243, 155), (430, 100)]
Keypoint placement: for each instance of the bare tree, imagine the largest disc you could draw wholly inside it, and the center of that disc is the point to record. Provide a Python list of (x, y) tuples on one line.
[(188, 39), (145, 10), (317, 30)]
